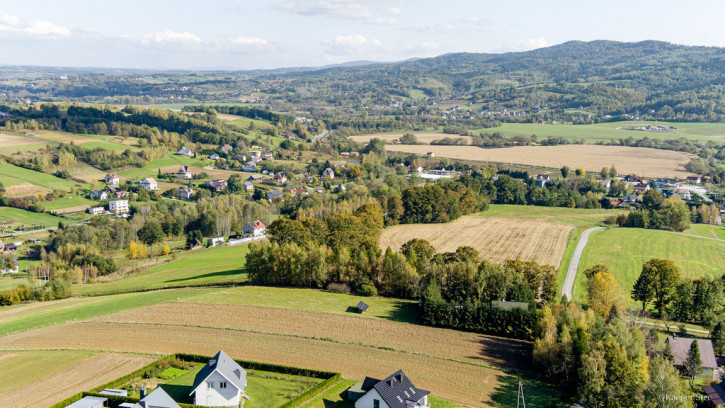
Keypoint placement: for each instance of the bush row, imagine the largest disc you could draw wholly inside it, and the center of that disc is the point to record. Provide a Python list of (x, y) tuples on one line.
[(481, 318)]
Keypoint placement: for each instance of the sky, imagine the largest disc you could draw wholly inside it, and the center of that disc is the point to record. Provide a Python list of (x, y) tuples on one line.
[(265, 34)]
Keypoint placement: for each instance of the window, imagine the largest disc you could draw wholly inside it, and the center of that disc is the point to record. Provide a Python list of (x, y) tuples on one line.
[(209, 385), (376, 403), (222, 385)]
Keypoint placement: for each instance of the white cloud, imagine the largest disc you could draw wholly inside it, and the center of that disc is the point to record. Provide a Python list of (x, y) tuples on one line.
[(351, 45), (186, 40), (527, 44), (439, 29), (11, 24), (370, 11)]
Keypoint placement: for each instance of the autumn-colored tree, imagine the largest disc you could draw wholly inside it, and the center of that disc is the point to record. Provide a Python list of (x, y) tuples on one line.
[(601, 292)]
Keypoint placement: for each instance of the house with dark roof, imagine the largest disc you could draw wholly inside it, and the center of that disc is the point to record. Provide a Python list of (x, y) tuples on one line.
[(715, 395), (112, 178), (680, 347), (220, 383), (156, 399), (395, 391)]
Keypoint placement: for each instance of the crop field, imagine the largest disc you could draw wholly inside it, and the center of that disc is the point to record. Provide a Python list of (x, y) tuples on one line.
[(423, 137), (624, 250), (79, 371), (10, 142), (496, 239), (581, 217), (222, 264), (10, 216), (613, 131), (11, 175), (628, 160)]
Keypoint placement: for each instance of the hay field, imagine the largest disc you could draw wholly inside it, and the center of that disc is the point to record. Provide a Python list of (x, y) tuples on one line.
[(88, 374), (25, 189), (349, 328), (461, 382), (424, 137), (628, 160), (496, 239), (8, 140)]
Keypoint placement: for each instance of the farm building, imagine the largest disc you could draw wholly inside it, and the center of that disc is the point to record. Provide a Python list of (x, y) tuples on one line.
[(395, 391), (255, 228), (112, 178), (680, 346), (13, 246), (158, 398), (185, 151), (149, 184), (118, 206), (220, 383), (89, 402), (214, 241)]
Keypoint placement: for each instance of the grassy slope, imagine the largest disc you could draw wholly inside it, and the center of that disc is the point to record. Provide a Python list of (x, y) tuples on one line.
[(13, 175), (26, 317), (29, 366), (609, 131), (222, 264), (16, 215), (311, 300), (67, 202), (624, 250)]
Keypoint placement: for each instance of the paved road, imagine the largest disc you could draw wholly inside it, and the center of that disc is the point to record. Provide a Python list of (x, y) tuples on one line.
[(320, 136), (566, 289)]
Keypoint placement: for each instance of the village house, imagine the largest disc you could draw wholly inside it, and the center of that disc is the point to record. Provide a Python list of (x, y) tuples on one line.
[(217, 185), (185, 151), (214, 156), (395, 391), (693, 180), (89, 402), (256, 153), (272, 194), (239, 157), (298, 191), (328, 173), (256, 159), (255, 228), (112, 178), (185, 193), (255, 177), (683, 193), (184, 172), (220, 383), (680, 347), (267, 156), (120, 194), (280, 178), (226, 149), (214, 241), (13, 246), (99, 194), (96, 210), (642, 188), (250, 167), (149, 184), (541, 180), (112, 188), (118, 206), (248, 186), (156, 399)]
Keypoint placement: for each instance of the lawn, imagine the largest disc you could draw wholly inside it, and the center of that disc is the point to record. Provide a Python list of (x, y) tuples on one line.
[(29, 366), (116, 147), (17, 216), (24, 317), (624, 250), (222, 264), (706, 230), (609, 131), (313, 300), (11, 175), (244, 122), (67, 202), (572, 216)]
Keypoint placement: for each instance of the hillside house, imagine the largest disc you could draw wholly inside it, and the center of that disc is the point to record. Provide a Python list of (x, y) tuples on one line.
[(267, 156), (185, 193), (256, 153), (280, 178), (13, 246), (395, 391), (642, 188), (226, 149), (256, 159), (255, 177), (96, 210), (217, 185), (328, 173), (214, 156), (693, 180), (683, 193), (185, 151), (214, 241), (272, 194), (149, 184), (248, 186), (156, 399), (220, 383), (99, 194), (239, 157), (255, 228), (89, 402), (112, 178), (120, 194), (541, 180), (250, 167), (298, 191), (118, 206), (184, 173), (680, 347)]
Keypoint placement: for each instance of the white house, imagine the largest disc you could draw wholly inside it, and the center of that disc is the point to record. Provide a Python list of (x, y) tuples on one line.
[(185, 193), (89, 402), (95, 210), (328, 173), (112, 178), (255, 228), (185, 151), (248, 186), (214, 156), (395, 391), (118, 206), (220, 383), (184, 173), (693, 180), (149, 184), (214, 241), (156, 399), (99, 194), (250, 166), (683, 193)]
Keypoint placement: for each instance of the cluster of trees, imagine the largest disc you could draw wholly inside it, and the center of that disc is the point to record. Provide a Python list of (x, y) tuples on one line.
[(240, 110), (656, 212)]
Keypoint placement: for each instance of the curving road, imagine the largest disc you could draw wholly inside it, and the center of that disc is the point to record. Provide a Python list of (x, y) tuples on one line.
[(567, 288)]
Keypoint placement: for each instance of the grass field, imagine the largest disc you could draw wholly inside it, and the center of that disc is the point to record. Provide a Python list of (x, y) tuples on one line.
[(612, 131), (10, 216), (10, 143), (69, 201), (627, 160), (222, 264), (624, 250), (30, 366), (12, 175), (496, 239), (580, 217)]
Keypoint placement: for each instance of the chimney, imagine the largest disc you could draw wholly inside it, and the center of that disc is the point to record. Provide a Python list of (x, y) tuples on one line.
[(142, 393), (399, 377), (390, 382), (238, 373), (212, 362)]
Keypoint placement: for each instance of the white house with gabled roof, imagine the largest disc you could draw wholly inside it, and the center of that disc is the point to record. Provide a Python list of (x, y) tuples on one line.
[(220, 383)]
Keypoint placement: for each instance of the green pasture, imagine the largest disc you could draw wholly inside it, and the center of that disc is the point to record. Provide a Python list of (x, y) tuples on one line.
[(11, 175)]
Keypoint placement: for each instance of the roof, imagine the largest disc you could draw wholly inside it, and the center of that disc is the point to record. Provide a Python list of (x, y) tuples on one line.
[(396, 389), (224, 365), (256, 224), (114, 175), (87, 402), (149, 180), (716, 394), (158, 399), (680, 346)]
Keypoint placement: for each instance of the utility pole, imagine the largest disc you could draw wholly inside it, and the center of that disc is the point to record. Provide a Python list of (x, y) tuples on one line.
[(520, 401)]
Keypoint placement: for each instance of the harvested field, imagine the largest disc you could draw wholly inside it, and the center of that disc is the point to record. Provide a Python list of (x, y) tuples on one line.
[(74, 209), (464, 383), (495, 239), (25, 189), (88, 374), (628, 160), (7, 140), (471, 347), (426, 137)]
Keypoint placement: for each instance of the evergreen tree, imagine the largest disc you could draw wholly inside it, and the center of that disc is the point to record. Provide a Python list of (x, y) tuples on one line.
[(693, 363), (718, 338)]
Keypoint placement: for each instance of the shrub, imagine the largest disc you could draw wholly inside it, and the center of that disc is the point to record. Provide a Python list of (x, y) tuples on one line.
[(339, 288), (367, 290)]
